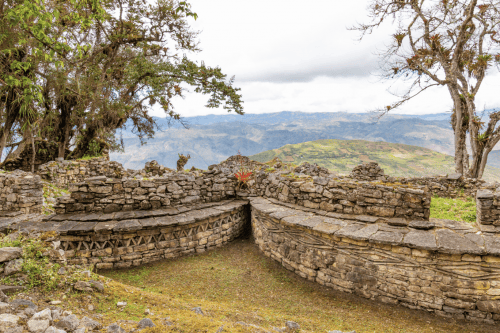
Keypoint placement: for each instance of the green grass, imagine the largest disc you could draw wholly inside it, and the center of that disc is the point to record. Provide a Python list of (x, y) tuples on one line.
[(396, 159), (460, 209), (238, 283)]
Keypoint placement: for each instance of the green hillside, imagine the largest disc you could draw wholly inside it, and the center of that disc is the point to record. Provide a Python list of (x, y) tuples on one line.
[(342, 155)]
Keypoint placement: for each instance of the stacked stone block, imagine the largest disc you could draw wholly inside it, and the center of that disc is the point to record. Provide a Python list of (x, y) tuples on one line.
[(367, 171), (126, 239), (348, 196), (488, 210), (450, 186), (20, 192), (450, 270), (102, 194), (65, 172)]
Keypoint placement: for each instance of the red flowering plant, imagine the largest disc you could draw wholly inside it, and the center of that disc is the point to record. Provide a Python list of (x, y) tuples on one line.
[(243, 175)]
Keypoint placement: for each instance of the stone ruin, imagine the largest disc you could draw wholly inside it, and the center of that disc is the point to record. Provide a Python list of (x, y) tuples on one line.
[(367, 171), (369, 238), (312, 170)]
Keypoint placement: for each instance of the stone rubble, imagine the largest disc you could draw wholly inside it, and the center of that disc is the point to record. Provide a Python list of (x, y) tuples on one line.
[(367, 171)]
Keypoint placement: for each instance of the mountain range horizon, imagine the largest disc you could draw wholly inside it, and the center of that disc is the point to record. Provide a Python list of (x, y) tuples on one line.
[(211, 139)]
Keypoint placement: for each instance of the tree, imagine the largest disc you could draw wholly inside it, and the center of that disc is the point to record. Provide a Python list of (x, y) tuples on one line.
[(126, 60), (27, 42), (450, 43)]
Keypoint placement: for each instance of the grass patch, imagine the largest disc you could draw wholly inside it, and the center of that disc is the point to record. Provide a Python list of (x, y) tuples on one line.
[(238, 283), (459, 209)]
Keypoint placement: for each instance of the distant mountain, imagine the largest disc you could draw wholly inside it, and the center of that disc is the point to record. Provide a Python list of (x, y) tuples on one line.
[(342, 155), (211, 139)]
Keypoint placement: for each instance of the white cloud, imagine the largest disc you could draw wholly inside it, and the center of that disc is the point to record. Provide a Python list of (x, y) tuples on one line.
[(299, 56)]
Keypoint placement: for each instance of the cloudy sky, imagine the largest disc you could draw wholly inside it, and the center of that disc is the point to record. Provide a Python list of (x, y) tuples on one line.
[(299, 56)]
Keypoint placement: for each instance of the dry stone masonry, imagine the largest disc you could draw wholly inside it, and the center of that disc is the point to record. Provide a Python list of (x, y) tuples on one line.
[(20, 192), (367, 171), (102, 194), (372, 238), (448, 268), (65, 172), (125, 239), (488, 210)]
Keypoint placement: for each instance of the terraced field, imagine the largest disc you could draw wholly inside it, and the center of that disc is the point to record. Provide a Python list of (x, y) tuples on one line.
[(342, 155)]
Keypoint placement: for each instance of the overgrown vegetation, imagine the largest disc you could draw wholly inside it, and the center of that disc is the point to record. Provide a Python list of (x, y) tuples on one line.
[(50, 193), (459, 209), (37, 271)]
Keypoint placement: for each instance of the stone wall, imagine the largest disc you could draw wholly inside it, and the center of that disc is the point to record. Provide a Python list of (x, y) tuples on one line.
[(449, 269), (348, 196), (450, 186), (126, 239), (488, 210), (20, 192), (329, 194), (102, 194), (63, 173)]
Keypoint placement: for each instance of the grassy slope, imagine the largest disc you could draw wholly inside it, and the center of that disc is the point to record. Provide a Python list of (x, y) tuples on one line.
[(238, 283), (342, 155)]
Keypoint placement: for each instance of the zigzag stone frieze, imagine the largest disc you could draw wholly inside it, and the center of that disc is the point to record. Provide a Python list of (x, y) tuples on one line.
[(125, 239)]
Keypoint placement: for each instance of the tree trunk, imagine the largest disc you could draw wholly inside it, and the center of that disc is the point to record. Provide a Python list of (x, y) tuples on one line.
[(460, 133), (65, 105), (83, 145), (11, 115), (33, 153)]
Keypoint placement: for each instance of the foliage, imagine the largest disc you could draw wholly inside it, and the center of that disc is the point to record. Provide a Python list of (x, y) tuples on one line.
[(444, 43), (244, 174), (39, 271), (108, 63), (460, 209), (181, 162), (51, 191)]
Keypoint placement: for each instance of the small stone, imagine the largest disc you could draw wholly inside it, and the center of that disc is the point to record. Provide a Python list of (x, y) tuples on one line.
[(8, 321), (91, 324), (10, 253), (144, 323), (17, 329), (97, 285), (424, 225), (56, 314), (115, 328), (23, 304), (82, 286), (147, 311), (197, 310), (121, 304), (45, 314), (30, 312), (38, 326), (13, 266), (5, 308), (52, 329), (55, 302), (68, 323), (62, 271), (292, 326)]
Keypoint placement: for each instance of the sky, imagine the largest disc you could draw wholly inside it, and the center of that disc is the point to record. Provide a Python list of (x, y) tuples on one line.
[(289, 55)]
